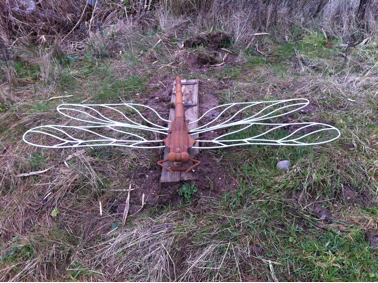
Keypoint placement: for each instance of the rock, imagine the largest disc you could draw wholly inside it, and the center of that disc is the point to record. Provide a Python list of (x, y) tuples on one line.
[(283, 165)]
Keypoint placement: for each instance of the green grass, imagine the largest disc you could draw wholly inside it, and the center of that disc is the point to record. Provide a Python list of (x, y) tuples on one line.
[(26, 70), (270, 220), (17, 252)]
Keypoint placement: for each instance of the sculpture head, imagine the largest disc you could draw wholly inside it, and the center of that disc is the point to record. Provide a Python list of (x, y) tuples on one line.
[(178, 156)]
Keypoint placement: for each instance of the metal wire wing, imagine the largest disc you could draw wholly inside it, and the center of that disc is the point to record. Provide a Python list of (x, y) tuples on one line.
[(250, 123), (115, 114), (233, 124), (104, 125)]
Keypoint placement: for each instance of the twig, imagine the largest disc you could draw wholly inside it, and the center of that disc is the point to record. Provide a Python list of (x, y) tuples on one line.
[(298, 57), (341, 45), (267, 260), (204, 253), (220, 265), (174, 266), (351, 59), (261, 33), (346, 56), (34, 172), (82, 14), (237, 263), (368, 72), (127, 206), (167, 65), (217, 65), (56, 97), (162, 84), (91, 20), (75, 154), (272, 272), (115, 190), (324, 33), (228, 51), (112, 231), (156, 43), (225, 56), (257, 50), (255, 34), (143, 203)]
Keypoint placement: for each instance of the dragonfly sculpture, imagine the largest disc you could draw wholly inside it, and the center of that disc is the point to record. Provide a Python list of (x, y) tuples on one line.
[(136, 125)]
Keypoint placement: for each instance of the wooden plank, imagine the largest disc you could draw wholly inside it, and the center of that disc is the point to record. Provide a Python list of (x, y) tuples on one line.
[(190, 98)]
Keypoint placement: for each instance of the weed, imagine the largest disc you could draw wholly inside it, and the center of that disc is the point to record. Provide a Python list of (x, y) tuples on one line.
[(187, 191), (36, 160), (42, 107), (17, 251)]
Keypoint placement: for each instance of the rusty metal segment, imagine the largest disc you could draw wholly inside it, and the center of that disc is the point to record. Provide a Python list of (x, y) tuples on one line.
[(179, 141)]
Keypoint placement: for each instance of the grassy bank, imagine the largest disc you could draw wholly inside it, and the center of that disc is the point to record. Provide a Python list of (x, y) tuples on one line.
[(247, 220)]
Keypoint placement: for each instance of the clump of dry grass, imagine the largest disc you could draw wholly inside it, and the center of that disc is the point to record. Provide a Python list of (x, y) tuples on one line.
[(27, 20), (281, 18), (66, 24), (166, 250)]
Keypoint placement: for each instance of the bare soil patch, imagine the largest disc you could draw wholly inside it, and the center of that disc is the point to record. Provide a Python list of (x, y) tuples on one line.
[(211, 178), (372, 237), (214, 40), (362, 198), (314, 206), (211, 181)]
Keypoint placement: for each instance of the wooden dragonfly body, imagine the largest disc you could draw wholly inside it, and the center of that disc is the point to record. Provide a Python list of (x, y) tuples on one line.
[(179, 140)]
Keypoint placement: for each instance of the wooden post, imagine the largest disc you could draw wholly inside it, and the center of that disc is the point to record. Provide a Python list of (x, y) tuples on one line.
[(191, 103)]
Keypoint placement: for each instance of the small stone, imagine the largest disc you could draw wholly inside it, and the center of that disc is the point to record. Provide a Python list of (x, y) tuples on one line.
[(335, 205), (342, 228), (283, 165)]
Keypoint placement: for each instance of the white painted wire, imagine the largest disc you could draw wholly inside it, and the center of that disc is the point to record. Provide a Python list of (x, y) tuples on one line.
[(301, 102), (286, 141), (266, 113), (272, 109), (102, 122)]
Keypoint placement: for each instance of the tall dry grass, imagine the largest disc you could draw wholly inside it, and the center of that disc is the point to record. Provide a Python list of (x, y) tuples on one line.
[(70, 23), (46, 20), (77, 243)]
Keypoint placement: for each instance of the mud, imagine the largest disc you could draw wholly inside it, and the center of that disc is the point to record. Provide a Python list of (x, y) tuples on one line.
[(352, 196), (211, 181), (372, 237), (214, 40), (314, 207), (214, 52)]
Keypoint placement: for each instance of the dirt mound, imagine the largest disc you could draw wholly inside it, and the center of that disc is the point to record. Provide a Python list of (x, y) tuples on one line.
[(211, 181), (215, 40), (314, 207), (362, 198)]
